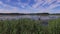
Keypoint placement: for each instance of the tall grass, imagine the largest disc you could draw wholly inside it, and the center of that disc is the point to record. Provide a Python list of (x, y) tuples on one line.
[(54, 26), (29, 26)]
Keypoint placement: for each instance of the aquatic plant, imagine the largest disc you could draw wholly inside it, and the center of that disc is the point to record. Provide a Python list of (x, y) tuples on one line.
[(29, 26)]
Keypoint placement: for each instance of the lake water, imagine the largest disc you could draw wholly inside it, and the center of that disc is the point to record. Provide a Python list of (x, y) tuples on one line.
[(35, 17)]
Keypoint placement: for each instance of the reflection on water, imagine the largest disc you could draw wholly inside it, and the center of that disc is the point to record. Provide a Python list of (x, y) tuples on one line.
[(35, 17)]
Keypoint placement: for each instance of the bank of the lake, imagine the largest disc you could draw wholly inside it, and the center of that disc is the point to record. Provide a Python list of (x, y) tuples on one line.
[(29, 26), (35, 17)]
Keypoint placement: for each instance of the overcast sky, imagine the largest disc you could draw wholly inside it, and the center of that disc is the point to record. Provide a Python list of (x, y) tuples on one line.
[(29, 6)]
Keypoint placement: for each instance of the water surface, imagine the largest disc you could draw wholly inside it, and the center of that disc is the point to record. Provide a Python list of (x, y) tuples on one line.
[(35, 17)]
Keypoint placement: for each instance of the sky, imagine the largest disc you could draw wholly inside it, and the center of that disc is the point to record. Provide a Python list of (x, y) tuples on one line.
[(29, 6)]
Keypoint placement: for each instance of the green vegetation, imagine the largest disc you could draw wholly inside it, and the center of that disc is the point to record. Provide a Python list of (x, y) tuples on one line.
[(29, 26)]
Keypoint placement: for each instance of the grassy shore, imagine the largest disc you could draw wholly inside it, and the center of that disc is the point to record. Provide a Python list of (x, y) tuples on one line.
[(29, 26)]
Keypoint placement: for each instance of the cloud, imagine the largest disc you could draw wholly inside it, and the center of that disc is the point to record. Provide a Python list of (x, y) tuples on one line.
[(1, 3), (38, 2), (10, 9), (58, 0), (38, 7), (53, 6)]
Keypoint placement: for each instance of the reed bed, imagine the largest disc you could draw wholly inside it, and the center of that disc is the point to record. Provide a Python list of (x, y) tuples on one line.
[(29, 26)]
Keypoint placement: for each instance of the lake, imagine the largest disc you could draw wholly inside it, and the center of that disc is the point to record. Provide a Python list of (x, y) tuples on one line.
[(35, 17)]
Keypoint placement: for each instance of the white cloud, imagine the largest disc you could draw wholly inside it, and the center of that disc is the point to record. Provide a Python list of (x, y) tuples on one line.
[(38, 2), (1, 2), (11, 9), (58, 0), (53, 6)]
